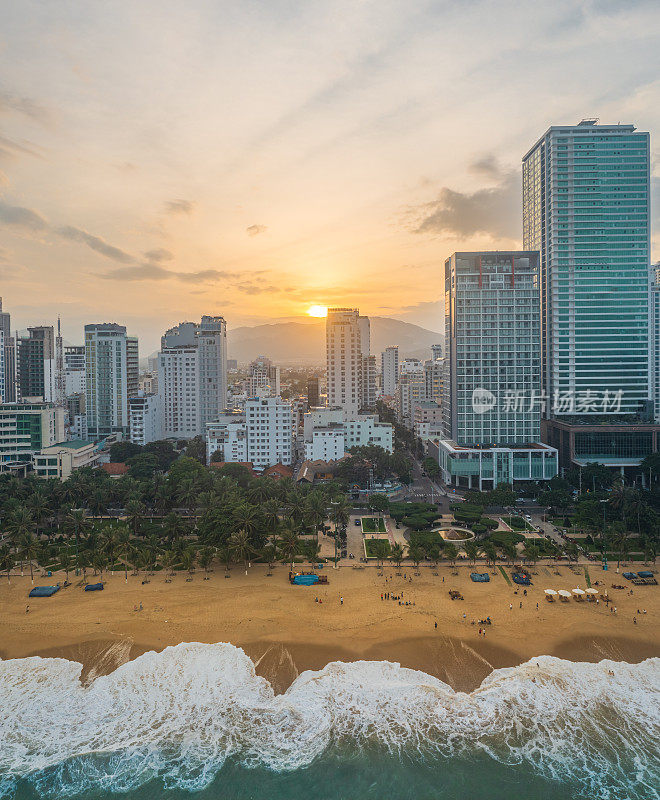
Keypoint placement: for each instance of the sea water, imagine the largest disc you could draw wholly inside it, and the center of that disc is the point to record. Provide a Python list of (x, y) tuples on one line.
[(196, 718)]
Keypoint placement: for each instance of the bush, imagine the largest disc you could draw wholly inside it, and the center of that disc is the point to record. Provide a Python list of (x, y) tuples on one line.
[(479, 528), (500, 538)]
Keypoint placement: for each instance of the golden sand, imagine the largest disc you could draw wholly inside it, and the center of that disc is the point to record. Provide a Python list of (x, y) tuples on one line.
[(285, 631)]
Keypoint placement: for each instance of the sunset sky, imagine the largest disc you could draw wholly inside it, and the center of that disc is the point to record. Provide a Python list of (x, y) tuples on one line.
[(161, 160)]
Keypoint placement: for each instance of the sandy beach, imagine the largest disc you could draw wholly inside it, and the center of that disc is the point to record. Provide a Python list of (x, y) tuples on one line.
[(285, 631)]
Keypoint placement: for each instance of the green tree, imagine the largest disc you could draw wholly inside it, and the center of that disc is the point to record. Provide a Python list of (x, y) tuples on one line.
[(240, 546), (471, 551), (288, 543), (451, 553), (6, 561), (397, 554), (29, 549)]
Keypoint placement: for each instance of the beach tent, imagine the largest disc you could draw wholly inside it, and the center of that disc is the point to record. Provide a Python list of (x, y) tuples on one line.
[(521, 579), (94, 587), (564, 594), (480, 577), (629, 575), (645, 574), (44, 591), (305, 580)]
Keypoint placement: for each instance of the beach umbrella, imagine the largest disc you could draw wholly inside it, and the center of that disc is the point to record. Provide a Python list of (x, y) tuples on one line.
[(551, 592), (578, 592), (563, 593), (592, 591)]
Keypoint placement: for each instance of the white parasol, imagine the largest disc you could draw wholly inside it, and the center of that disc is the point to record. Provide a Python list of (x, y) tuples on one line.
[(551, 592), (578, 592), (564, 593), (592, 591)]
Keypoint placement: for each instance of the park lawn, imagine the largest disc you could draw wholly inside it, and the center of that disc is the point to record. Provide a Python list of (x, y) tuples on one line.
[(518, 523), (369, 546), (373, 525)]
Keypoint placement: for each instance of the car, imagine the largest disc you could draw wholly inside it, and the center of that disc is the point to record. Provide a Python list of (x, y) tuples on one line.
[(358, 523)]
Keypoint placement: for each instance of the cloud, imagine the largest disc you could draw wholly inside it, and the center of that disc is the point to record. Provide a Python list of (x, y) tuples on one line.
[(32, 221), (494, 211), (159, 254), (96, 243), (488, 167), (179, 206), (255, 230), (23, 105), (150, 271), (22, 217), (9, 148)]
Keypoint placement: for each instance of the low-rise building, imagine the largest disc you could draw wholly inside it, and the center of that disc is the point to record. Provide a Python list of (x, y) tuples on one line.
[(26, 428), (62, 459)]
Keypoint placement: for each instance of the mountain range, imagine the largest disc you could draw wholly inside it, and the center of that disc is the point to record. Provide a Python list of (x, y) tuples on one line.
[(303, 343)]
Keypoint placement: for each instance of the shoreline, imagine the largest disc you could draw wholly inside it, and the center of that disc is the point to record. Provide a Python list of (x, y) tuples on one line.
[(285, 632)]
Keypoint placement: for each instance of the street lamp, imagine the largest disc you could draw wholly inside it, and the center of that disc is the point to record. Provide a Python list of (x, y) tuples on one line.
[(604, 502)]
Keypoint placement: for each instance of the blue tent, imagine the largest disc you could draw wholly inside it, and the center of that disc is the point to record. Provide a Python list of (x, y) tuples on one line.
[(480, 577), (43, 591), (629, 575), (94, 587), (305, 580), (521, 579), (645, 574)]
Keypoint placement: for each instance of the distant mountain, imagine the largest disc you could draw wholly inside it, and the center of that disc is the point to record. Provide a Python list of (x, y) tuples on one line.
[(303, 343)]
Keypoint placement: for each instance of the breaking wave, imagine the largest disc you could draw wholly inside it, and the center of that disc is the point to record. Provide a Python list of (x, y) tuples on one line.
[(179, 715)]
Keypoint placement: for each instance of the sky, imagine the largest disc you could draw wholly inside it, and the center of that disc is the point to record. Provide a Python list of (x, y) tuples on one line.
[(160, 159)]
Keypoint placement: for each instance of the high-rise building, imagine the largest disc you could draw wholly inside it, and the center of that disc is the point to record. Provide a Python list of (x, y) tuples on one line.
[(313, 392), (192, 376), (36, 365), (433, 373), (132, 366), (655, 340), (436, 351), (110, 363), (26, 428), (2, 366), (8, 358), (345, 329), (145, 419), (586, 210), (263, 378), (492, 388), (411, 387), (389, 361), (74, 369), (368, 393)]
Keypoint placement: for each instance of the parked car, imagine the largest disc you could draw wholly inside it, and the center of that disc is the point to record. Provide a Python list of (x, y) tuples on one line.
[(357, 523)]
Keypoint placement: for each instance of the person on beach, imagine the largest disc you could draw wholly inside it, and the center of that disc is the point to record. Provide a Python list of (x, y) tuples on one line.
[(27, 609), (510, 606), (341, 600), (436, 625)]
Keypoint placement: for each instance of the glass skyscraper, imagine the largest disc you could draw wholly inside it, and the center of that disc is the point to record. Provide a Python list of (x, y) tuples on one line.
[(586, 209)]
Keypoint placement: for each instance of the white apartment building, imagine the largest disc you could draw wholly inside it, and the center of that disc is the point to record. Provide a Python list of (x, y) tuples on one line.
[(111, 365), (74, 370), (178, 388), (410, 390), (389, 365), (345, 332), (433, 371), (328, 431), (326, 443), (264, 378), (2, 365), (262, 435), (269, 422), (145, 420), (228, 438), (192, 376)]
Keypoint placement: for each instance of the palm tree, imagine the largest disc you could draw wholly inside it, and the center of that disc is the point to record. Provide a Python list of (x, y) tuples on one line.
[(124, 547), (19, 524), (39, 508), (490, 552), (619, 498), (532, 552), (380, 549), (316, 510), (187, 494), (169, 559), (188, 558), (246, 518), (29, 548), (206, 558), (313, 549), (135, 512), (397, 554), (288, 543), (340, 514), (451, 552), (510, 551), (471, 551), (260, 490), (271, 514), (6, 561), (65, 561), (173, 526), (416, 554), (109, 541), (77, 519), (241, 547)]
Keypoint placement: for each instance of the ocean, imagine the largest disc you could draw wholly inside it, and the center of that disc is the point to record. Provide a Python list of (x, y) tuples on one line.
[(196, 721)]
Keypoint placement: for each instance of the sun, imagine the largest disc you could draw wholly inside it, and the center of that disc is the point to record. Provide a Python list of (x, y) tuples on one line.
[(317, 311)]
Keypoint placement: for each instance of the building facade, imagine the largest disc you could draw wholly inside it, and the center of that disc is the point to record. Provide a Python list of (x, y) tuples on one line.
[(145, 420), (586, 210), (7, 358), (345, 330), (110, 364), (389, 367), (35, 364), (64, 458), (492, 389), (263, 378), (26, 428)]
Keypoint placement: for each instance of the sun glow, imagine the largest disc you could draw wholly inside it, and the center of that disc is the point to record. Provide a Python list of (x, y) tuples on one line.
[(317, 311)]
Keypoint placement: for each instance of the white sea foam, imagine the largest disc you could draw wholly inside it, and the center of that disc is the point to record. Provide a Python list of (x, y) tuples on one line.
[(181, 713)]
